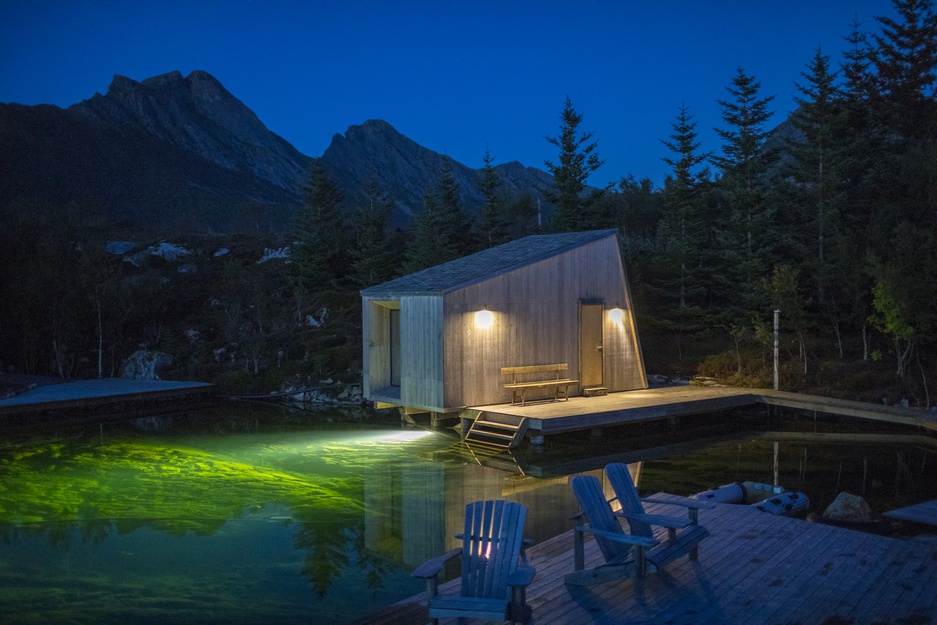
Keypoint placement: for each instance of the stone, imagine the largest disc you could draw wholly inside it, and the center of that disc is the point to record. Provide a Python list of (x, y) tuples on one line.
[(145, 365), (851, 508)]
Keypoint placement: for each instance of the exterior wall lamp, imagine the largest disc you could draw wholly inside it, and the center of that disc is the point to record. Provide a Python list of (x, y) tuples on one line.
[(484, 319), (616, 315)]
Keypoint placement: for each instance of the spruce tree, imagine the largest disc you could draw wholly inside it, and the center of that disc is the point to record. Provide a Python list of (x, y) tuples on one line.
[(577, 160), (374, 258), (816, 169), (494, 226), (319, 259), (430, 244), (747, 233), (455, 224), (682, 228)]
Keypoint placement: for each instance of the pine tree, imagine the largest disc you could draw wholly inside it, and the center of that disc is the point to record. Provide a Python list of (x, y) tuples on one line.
[(905, 59), (903, 178), (748, 236), (374, 256), (682, 227), (816, 168), (577, 160), (494, 226), (319, 259), (455, 224), (430, 244)]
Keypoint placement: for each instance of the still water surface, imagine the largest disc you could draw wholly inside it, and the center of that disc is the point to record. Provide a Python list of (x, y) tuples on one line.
[(261, 515)]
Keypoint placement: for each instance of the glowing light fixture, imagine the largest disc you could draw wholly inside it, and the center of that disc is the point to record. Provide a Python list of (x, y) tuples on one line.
[(484, 319), (617, 315)]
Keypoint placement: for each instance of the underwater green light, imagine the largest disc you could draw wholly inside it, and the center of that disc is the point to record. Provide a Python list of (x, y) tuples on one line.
[(405, 436)]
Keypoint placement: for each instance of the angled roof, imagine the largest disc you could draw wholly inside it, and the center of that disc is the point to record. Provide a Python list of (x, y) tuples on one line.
[(486, 264)]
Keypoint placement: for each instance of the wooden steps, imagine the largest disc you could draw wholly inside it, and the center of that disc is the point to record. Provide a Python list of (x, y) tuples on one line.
[(498, 431)]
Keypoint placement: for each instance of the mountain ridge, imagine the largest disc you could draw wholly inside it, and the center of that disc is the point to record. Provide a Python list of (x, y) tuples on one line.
[(174, 152)]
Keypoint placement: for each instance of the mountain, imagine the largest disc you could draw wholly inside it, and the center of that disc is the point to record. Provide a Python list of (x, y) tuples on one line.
[(168, 153), (182, 154), (407, 170)]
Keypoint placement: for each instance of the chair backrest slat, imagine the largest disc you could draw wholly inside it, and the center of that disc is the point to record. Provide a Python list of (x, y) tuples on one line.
[(620, 478), (491, 547), (592, 500)]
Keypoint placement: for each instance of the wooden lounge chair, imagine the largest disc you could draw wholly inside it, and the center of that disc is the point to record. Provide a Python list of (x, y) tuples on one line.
[(495, 572), (627, 495), (634, 554)]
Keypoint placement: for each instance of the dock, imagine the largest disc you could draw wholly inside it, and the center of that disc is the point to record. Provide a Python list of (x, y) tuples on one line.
[(671, 402), (753, 569), (97, 393), (925, 513)]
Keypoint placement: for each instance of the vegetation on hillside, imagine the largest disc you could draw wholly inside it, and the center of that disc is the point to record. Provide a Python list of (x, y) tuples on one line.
[(832, 219)]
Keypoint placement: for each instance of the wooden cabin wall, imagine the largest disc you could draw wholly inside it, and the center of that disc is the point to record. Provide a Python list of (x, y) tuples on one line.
[(421, 343), (376, 357), (536, 311)]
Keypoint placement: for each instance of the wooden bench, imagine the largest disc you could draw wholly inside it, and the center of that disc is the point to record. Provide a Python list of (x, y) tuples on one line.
[(519, 389)]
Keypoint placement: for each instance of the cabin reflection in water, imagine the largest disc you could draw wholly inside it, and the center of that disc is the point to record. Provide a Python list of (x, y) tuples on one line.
[(413, 512)]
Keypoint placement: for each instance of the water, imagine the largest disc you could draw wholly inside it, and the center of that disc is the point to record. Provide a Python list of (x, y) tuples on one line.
[(260, 515)]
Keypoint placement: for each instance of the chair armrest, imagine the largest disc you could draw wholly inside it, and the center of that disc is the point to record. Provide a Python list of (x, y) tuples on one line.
[(639, 541), (522, 576), (683, 501), (657, 519), (431, 568)]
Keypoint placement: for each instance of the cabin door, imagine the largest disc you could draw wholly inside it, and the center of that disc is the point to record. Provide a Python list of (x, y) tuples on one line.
[(590, 345)]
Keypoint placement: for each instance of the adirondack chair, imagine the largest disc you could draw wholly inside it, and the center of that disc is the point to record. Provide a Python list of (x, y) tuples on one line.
[(495, 572), (632, 507), (634, 554)]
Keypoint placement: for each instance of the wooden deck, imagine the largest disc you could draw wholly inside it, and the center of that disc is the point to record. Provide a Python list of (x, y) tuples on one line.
[(90, 393), (921, 513), (583, 413), (754, 569)]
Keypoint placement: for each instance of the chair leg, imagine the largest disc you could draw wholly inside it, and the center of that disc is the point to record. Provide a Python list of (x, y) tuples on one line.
[(640, 561), (694, 553), (579, 556), (520, 611)]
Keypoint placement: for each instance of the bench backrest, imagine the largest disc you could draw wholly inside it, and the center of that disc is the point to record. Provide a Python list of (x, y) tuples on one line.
[(563, 366)]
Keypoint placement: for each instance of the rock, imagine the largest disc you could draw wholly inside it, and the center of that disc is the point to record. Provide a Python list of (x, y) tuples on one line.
[(850, 508), (145, 365)]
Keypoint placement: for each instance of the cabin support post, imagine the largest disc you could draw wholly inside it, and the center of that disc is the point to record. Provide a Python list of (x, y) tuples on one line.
[(405, 417)]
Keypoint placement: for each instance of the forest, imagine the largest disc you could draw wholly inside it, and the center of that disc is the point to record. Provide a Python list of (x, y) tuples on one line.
[(831, 218)]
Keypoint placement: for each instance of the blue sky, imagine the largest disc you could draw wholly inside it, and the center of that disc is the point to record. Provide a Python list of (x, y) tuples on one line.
[(453, 76)]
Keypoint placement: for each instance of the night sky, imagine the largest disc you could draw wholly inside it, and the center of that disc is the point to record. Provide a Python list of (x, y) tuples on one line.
[(453, 76)]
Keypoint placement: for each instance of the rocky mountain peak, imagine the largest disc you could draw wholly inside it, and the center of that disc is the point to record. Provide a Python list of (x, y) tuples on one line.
[(198, 114)]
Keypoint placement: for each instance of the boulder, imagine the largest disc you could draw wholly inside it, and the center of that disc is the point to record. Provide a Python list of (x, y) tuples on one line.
[(145, 365), (851, 508)]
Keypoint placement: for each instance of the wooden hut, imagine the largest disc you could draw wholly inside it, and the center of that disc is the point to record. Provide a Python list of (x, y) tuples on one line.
[(437, 340)]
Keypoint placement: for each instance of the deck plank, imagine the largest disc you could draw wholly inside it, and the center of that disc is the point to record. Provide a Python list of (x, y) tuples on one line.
[(753, 568)]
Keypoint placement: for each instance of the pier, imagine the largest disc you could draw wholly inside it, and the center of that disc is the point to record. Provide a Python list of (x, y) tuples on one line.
[(754, 568), (544, 418), (106, 394)]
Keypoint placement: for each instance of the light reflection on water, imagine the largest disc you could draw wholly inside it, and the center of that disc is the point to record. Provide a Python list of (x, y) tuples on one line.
[(256, 515)]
